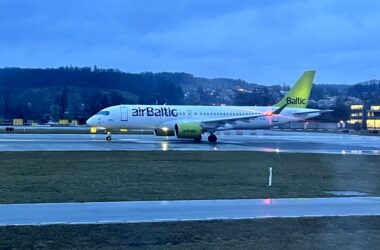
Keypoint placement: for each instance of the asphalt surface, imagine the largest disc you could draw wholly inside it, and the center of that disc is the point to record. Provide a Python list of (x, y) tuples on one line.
[(161, 211), (265, 141)]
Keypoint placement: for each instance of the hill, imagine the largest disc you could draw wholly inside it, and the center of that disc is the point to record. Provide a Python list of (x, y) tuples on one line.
[(77, 93)]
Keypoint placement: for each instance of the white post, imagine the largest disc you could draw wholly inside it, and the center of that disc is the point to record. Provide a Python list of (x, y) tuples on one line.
[(270, 177)]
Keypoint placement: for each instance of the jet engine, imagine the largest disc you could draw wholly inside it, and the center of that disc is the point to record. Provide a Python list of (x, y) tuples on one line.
[(191, 130)]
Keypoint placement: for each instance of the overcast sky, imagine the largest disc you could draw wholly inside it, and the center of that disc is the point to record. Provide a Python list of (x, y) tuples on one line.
[(258, 41)]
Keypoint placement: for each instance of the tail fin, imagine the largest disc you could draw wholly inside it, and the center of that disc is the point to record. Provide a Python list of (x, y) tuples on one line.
[(298, 95)]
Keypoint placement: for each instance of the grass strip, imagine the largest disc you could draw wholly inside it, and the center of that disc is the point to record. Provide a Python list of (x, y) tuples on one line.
[(302, 233), (113, 176)]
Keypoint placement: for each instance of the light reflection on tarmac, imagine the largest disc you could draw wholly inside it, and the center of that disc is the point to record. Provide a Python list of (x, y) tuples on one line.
[(263, 141)]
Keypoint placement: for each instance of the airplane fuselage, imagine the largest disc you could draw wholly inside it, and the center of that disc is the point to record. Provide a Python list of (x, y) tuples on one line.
[(193, 121), (150, 117)]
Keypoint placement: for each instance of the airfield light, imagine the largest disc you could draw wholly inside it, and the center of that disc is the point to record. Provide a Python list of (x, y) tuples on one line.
[(164, 146), (270, 177), (165, 129), (267, 201)]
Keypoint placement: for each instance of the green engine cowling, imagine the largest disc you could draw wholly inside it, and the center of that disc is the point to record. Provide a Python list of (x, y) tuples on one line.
[(188, 130), (164, 132)]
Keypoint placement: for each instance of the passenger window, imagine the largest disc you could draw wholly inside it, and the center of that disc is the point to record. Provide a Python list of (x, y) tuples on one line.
[(105, 113)]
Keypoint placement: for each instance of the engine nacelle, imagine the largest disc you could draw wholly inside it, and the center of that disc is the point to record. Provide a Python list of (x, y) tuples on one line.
[(188, 130), (164, 132)]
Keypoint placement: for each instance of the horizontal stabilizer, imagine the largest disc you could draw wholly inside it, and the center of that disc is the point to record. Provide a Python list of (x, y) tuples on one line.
[(312, 112)]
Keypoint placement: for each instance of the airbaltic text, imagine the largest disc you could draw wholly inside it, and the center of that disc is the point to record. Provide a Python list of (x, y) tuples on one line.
[(296, 100), (149, 111)]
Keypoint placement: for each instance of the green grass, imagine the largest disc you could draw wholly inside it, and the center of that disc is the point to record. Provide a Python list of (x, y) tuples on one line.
[(305, 233), (110, 176)]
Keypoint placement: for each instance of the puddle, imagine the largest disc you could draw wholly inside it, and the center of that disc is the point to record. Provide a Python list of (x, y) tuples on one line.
[(347, 193)]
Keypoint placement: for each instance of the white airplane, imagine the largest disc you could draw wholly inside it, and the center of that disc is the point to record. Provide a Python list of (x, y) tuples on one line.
[(192, 122)]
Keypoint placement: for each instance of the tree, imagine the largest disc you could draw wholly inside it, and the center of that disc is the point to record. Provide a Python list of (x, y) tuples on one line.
[(114, 98), (62, 102)]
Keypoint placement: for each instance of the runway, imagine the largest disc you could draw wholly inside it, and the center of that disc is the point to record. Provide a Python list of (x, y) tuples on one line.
[(191, 210), (264, 141)]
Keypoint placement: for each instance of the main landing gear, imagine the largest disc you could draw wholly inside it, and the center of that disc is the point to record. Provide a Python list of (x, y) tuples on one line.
[(212, 138)]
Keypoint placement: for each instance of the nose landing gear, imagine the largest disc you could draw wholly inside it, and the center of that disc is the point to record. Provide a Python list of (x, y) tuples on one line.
[(212, 138), (109, 136)]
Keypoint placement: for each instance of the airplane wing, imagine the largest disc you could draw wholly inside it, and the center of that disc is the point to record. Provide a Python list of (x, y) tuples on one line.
[(233, 119)]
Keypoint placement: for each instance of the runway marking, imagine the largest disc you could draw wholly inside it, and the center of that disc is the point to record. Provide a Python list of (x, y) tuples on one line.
[(162, 220), (82, 222), (109, 221), (52, 223), (188, 219)]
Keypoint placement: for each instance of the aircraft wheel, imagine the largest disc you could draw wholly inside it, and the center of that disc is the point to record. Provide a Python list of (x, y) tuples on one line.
[(108, 138), (212, 138)]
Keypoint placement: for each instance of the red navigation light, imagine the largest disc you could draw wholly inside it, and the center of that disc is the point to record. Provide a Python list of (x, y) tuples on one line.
[(267, 201), (269, 113)]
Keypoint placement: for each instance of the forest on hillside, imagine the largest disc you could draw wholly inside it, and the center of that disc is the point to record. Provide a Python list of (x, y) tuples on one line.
[(72, 92), (79, 92)]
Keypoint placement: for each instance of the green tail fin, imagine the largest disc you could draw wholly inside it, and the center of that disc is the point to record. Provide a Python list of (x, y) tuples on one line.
[(298, 96)]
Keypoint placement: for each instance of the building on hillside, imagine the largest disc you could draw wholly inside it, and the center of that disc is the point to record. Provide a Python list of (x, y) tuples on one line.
[(18, 122), (327, 103), (357, 116), (373, 118)]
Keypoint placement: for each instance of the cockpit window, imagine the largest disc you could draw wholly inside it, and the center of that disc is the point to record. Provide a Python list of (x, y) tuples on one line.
[(103, 113)]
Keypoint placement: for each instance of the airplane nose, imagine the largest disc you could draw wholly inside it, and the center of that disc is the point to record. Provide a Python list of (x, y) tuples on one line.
[(91, 122)]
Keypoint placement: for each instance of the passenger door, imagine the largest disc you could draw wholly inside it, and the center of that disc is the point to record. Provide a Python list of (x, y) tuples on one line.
[(124, 113)]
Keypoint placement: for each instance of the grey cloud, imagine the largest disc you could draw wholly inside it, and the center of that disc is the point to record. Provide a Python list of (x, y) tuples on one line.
[(259, 41)]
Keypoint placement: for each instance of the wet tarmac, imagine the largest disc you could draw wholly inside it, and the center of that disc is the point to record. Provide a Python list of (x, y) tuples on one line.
[(190, 210), (264, 141)]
